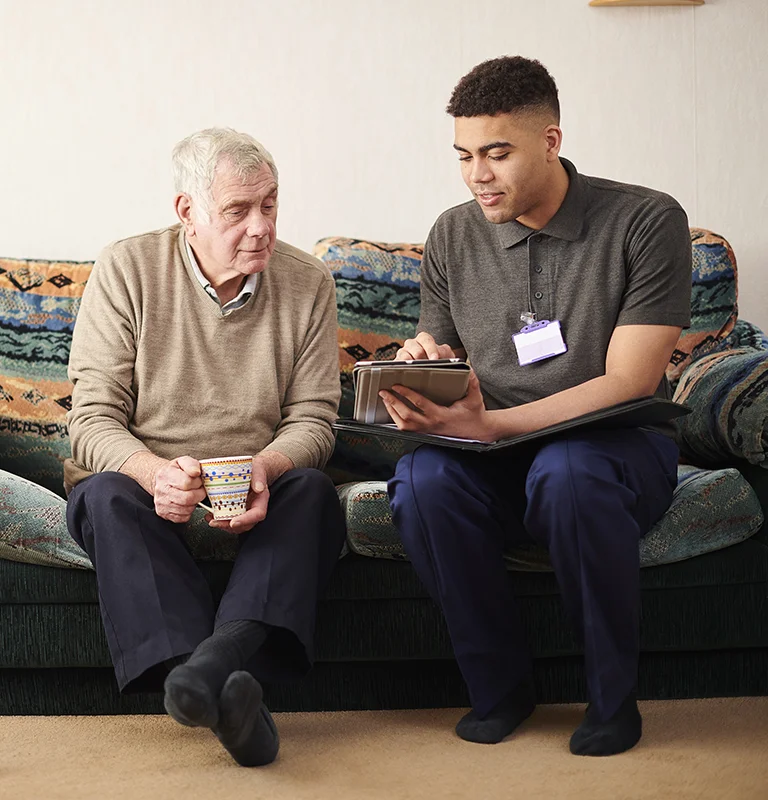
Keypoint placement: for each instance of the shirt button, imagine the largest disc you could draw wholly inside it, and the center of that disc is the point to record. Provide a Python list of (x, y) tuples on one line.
[(538, 295), (538, 269)]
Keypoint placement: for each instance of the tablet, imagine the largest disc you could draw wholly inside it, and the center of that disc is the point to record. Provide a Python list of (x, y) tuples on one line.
[(443, 381)]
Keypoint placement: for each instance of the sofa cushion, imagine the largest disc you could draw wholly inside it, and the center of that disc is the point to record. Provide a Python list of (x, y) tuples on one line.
[(38, 304), (33, 526), (377, 296), (33, 529), (710, 510), (713, 302), (729, 395)]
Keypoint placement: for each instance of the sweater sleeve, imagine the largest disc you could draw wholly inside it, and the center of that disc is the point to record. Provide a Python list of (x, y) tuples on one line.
[(311, 401), (101, 367)]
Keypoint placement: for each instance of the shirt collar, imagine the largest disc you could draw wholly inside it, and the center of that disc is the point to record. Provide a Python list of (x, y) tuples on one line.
[(568, 220), (249, 287)]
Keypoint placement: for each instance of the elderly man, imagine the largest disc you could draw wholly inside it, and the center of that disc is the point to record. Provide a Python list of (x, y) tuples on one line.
[(208, 338)]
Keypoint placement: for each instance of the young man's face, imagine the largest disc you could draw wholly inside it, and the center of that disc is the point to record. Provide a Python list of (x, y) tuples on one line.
[(506, 161)]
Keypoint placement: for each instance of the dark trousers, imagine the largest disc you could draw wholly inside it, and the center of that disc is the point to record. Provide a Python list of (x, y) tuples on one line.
[(587, 497), (156, 604)]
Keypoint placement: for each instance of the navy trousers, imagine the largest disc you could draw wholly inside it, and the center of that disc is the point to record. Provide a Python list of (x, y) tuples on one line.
[(155, 602), (588, 497)]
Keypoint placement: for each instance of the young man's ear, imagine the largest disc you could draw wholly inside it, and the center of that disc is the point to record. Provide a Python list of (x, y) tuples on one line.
[(554, 137)]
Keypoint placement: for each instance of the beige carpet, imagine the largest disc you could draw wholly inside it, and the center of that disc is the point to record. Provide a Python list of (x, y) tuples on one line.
[(691, 749)]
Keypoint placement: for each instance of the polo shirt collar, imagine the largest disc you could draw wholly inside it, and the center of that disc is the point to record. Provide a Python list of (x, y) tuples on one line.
[(568, 220)]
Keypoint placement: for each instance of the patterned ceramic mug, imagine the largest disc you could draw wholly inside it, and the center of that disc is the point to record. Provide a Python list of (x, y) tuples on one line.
[(226, 481)]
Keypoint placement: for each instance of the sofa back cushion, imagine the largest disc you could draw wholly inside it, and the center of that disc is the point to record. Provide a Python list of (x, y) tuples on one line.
[(39, 301), (377, 296), (714, 306)]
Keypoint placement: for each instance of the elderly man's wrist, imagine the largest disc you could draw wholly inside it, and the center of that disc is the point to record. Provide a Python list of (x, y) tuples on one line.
[(274, 463)]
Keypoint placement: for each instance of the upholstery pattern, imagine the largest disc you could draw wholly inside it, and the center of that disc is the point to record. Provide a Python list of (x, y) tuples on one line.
[(377, 296), (714, 307), (729, 394), (33, 529), (745, 334), (710, 510), (33, 526), (38, 304)]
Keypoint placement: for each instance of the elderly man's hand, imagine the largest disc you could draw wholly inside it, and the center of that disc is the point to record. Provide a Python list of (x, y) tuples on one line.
[(178, 488), (256, 505)]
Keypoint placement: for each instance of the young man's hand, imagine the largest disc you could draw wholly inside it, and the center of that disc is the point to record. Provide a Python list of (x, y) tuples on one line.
[(422, 347), (466, 418)]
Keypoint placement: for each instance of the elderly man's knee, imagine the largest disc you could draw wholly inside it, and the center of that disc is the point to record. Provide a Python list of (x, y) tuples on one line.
[(309, 481), (110, 493)]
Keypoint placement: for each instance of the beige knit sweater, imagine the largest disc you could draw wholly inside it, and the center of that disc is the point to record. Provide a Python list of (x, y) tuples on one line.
[(156, 366)]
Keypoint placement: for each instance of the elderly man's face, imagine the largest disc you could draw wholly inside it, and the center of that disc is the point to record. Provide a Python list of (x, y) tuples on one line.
[(241, 235)]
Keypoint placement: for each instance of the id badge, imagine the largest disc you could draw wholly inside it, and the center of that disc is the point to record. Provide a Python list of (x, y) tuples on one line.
[(539, 340)]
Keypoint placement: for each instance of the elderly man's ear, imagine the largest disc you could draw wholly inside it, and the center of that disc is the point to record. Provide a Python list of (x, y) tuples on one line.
[(184, 213)]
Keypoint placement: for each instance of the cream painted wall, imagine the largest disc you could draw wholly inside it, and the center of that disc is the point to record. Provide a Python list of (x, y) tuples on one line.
[(349, 96)]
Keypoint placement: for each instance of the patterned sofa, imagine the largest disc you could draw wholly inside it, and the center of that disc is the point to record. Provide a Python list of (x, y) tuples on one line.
[(381, 642)]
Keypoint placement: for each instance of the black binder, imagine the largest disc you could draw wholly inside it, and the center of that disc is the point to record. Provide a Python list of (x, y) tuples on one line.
[(630, 414)]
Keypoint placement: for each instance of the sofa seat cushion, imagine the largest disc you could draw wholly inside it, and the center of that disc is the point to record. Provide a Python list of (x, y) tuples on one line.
[(33, 529), (710, 510)]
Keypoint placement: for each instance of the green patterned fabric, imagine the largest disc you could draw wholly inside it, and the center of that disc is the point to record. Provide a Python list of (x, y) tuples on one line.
[(729, 395), (714, 309), (33, 529), (710, 510), (377, 296), (38, 304), (745, 334), (33, 526)]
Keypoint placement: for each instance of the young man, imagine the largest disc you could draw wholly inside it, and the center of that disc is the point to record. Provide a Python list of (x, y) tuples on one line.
[(205, 339), (609, 262)]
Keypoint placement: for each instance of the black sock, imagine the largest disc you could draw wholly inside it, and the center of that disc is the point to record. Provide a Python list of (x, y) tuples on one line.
[(502, 719), (245, 726), (192, 689), (621, 732)]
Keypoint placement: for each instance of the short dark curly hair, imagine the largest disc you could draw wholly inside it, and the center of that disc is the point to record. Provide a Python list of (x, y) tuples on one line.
[(503, 86)]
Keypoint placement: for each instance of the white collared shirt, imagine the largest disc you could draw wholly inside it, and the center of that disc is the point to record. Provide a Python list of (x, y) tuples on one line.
[(249, 287)]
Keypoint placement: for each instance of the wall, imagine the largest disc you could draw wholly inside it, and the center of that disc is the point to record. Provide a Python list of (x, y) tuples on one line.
[(349, 96)]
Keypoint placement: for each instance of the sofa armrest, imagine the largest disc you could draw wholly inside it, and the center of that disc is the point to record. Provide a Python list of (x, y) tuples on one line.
[(728, 393)]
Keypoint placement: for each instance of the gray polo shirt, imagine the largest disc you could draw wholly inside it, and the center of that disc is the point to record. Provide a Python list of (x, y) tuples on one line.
[(613, 254)]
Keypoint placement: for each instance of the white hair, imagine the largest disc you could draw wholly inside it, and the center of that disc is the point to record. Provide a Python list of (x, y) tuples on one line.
[(196, 158)]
